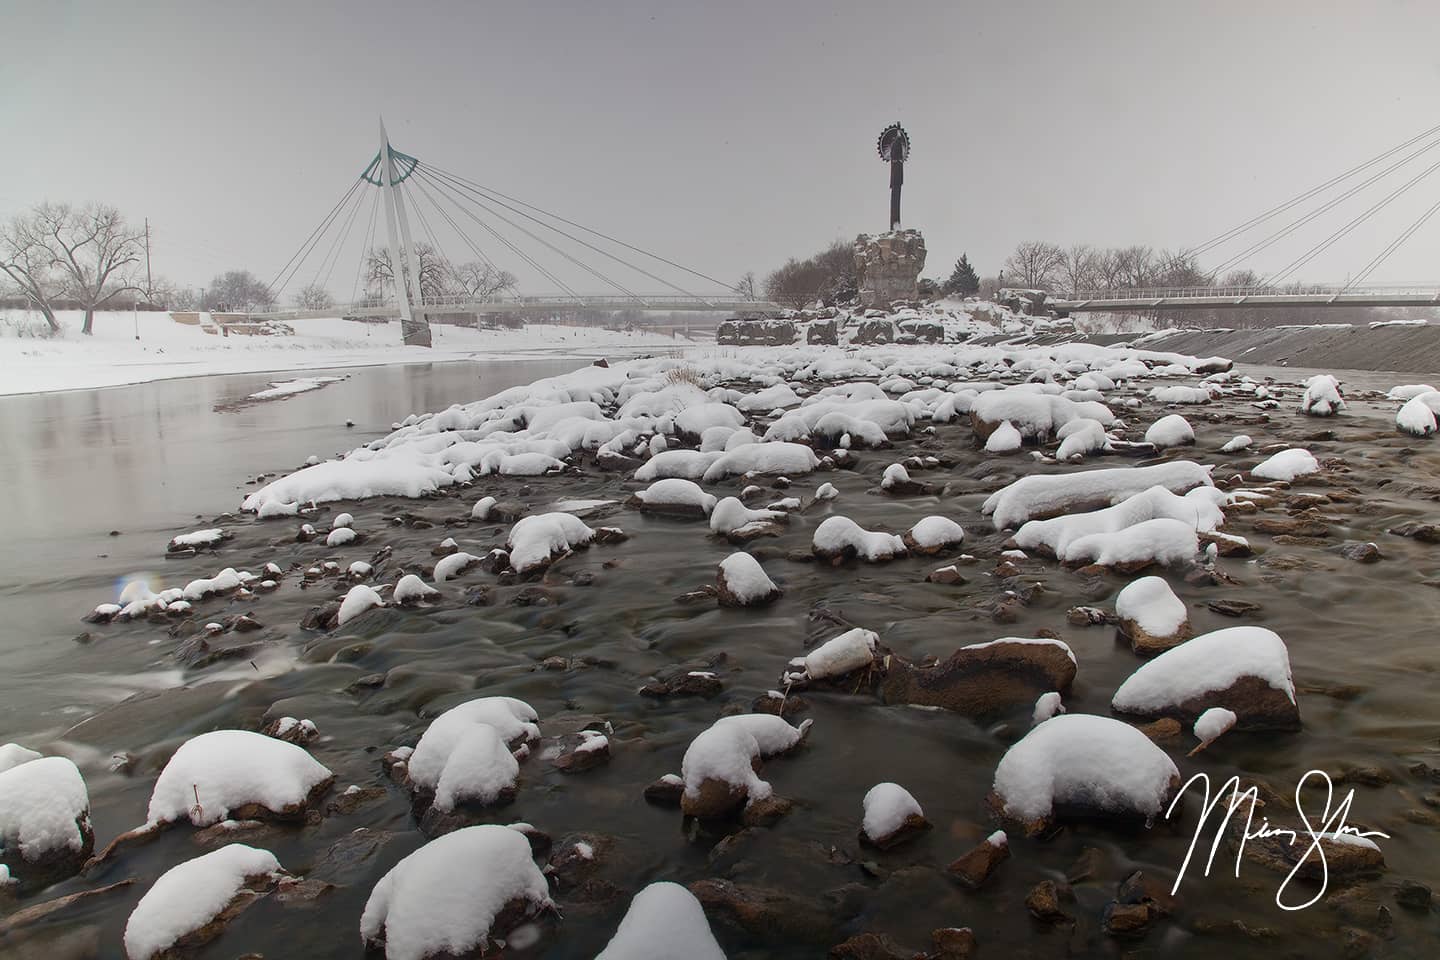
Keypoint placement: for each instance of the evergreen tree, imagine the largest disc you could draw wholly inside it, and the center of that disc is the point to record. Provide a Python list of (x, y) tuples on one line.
[(964, 281)]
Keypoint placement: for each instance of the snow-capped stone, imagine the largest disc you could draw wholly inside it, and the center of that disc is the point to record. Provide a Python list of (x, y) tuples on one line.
[(719, 765), (675, 496), (930, 535), (681, 464), (1178, 394), (731, 516), (464, 755), (1161, 541), (340, 536), (1211, 724), (1042, 496), (826, 491), (190, 903), (482, 508), (768, 458), (359, 599), (539, 540), (1047, 705), (1078, 763), (452, 565), (45, 832), (850, 651), (199, 538), (342, 520), (1237, 443), (1322, 396), (1151, 616), (1172, 430), (1055, 536), (1244, 669), (12, 755), (741, 582), (839, 538), (411, 589), (446, 898), (1409, 391), (226, 581), (664, 922), (236, 774), (891, 816), (1004, 439), (1081, 437), (1287, 465), (1420, 415), (983, 680)]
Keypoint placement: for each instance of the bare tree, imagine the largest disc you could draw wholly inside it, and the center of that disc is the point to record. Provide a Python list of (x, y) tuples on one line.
[(1107, 269), (797, 284), (1077, 270), (314, 296), (478, 281), (1033, 265), (26, 259), (91, 247), (747, 288), (1135, 266), (434, 269), (237, 290)]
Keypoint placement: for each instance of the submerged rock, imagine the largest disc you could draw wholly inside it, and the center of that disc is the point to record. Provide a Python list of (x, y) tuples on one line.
[(983, 680), (975, 867)]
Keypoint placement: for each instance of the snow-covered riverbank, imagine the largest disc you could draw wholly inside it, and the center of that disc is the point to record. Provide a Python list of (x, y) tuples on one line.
[(113, 356)]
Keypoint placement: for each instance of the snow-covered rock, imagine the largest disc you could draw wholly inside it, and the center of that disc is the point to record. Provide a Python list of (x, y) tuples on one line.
[(452, 565), (839, 538), (890, 816), (1081, 437), (930, 535), (1047, 705), (1198, 508), (45, 832), (1211, 724), (1161, 541), (464, 755), (12, 755), (675, 496), (236, 774), (1237, 443), (445, 899), (1082, 764), (730, 516), (1287, 465), (340, 537), (482, 508), (1409, 391), (411, 589), (1244, 669), (188, 905), (1042, 496), (719, 765), (741, 582), (1151, 616), (1178, 394), (682, 464), (1171, 430), (664, 922), (1322, 396), (850, 651), (359, 599), (539, 540), (1419, 415), (790, 459), (1004, 439)]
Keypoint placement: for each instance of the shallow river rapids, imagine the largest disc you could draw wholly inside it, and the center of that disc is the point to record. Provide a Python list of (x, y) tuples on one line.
[(1361, 636)]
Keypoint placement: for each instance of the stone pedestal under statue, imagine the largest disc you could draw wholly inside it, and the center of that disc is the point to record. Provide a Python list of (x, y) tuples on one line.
[(888, 266)]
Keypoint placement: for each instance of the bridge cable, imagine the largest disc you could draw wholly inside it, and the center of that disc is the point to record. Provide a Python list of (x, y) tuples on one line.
[(325, 222), (1338, 234), (1294, 225), (443, 191), (420, 186), (1274, 211), (604, 236), (290, 277), (1394, 245), (366, 248), (332, 256), (554, 249)]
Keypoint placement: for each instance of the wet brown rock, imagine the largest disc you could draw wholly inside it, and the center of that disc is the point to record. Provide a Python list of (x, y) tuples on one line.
[(950, 576), (352, 798), (693, 683), (291, 730), (1006, 569), (1291, 526), (1361, 552), (1225, 545), (766, 812), (870, 946), (1088, 616), (578, 752), (911, 827), (1126, 919), (1234, 608), (975, 867), (953, 943), (1043, 902), (764, 913), (1413, 895), (984, 681), (324, 617), (712, 799), (779, 705), (1142, 888), (665, 792), (728, 598), (1162, 730), (1339, 860), (1147, 644), (1423, 532)]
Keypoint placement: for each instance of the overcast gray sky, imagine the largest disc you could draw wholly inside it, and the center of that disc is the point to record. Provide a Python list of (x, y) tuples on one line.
[(730, 135)]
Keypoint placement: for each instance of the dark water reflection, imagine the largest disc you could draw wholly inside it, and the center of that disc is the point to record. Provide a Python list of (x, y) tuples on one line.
[(1361, 638)]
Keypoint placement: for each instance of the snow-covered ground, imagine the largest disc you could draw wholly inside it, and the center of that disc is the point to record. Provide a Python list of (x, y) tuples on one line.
[(166, 349)]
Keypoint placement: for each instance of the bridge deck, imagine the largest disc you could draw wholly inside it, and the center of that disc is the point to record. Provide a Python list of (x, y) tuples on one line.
[(534, 305), (1185, 300)]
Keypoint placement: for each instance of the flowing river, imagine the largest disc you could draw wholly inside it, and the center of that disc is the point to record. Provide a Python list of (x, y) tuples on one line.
[(156, 460)]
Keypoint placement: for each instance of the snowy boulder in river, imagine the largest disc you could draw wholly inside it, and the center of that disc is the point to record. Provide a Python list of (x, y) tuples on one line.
[(236, 775), (1082, 765), (932, 535), (455, 896), (835, 658), (1171, 430), (742, 583), (983, 680), (45, 832), (738, 523), (1162, 541), (789, 459), (681, 498), (719, 765), (1287, 465), (12, 755), (1004, 438), (465, 754), (891, 816), (1042, 496), (1151, 617), (537, 541), (1243, 669), (192, 902), (1322, 396), (410, 589), (839, 538), (664, 921), (357, 601)]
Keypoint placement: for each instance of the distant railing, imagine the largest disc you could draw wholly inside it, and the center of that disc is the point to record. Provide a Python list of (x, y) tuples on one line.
[(1178, 293)]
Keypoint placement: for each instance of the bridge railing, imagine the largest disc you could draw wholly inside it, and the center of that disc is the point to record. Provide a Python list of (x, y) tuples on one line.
[(1318, 289)]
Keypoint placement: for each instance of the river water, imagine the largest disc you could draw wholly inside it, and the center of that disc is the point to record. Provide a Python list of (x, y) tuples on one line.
[(156, 460)]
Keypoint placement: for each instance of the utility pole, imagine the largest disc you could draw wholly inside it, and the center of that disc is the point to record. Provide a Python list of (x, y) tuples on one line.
[(149, 284)]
